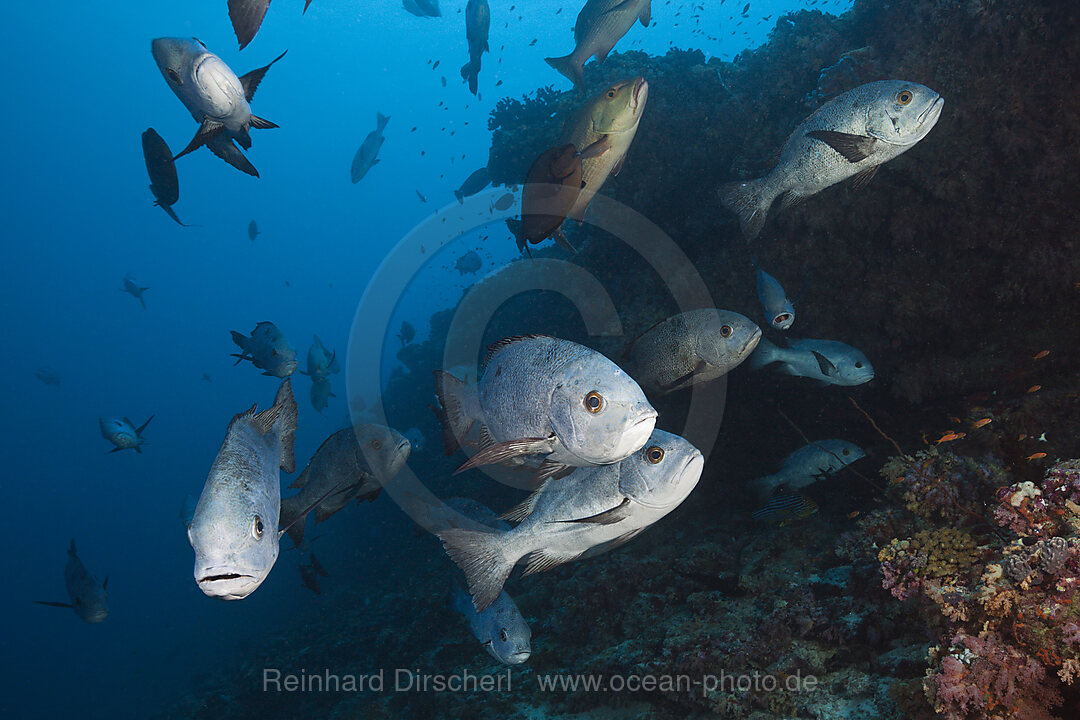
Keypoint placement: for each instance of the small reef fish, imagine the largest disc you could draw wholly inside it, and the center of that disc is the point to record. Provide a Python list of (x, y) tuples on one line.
[(1034, 389), (950, 437), (500, 628), (88, 598), (468, 264), (123, 433), (1036, 456), (504, 202), (367, 155), (48, 376), (1040, 355), (612, 116), (691, 347), (588, 512), (233, 532), (320, 362), (828, 361), (851, 135), (316, 565), (600, 25), (267, 349), (164, 183), (477, 22), (543, 396), (352, 464), (407, 333), (778, 309), (132, 289), (784, 508), (253, 231), (422, 8), (807, 465), (217, 99), (981, 423), (477, 181)]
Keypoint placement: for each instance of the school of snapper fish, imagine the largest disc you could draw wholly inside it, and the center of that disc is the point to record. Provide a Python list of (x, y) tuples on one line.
[(578, 423)]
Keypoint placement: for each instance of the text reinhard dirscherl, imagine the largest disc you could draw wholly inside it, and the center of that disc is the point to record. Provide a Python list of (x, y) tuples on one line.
[(414, 680)]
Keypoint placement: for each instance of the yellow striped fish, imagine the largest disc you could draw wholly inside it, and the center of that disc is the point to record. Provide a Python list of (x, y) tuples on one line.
[(784, 508)]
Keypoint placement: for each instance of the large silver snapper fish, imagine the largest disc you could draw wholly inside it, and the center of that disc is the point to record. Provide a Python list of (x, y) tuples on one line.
[(123, 433), (807, 465), (352, 464), (600, 25), (691, 347), (828, 361), (88, 596), (500, 628), (543, 396), (234, 532), (268, 349), (581, 515), (215, 96), (851, 135)]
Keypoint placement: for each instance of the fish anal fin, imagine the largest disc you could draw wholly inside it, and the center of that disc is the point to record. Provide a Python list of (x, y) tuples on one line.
[(864, 177), (543, 560), (854, 148)]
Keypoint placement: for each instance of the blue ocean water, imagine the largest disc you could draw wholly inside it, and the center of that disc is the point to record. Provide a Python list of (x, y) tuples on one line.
[(77, 215)]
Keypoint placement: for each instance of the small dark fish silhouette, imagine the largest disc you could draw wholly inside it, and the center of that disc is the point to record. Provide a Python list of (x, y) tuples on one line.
[(310, 579), (162, 171), (408, 332), (253, 231), (317, 566)]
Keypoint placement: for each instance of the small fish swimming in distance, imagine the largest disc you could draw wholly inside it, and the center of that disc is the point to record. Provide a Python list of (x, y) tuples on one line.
[(600, 25), (500, 628), (217, 99), (267, 349), (310, 578), (469, 263), (588, 512), (783, 508), (367, 155), (851, 135), (123, 433), (477, 22), (551, 398), (473, 184), (253, 231), (407, 333), (48, 376), (807, 465), (161, 168), (87, 597), (352, 464), (828, 361), (131, 288), (690, 348), (233, 531)]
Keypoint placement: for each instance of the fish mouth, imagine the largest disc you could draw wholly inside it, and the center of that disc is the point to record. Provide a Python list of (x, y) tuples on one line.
[(684, 470), (224, 576), (228, 585), (518, 657), (780, 320), (641, 93)]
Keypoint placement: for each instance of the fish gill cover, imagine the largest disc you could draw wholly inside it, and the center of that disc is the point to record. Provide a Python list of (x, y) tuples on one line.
[(925, 563)]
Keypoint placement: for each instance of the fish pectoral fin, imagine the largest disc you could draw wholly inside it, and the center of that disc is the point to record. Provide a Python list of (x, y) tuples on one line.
[(542, 560), (262, 123), (854, 148), (208, 130), (501, 452), (646, 14), (608, 517), (863, 177), (687, 378), (251, 80), (596, 149), (115, 449), (224, 148), (550, 470), (827, 368), (54, 604), (618, 166)]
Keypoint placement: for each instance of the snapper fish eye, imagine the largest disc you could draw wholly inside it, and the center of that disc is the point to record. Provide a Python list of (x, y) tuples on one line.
[(904, 97)]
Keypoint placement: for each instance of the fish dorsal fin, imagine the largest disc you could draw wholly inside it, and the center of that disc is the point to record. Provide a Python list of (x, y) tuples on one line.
[(142, 427), (826, 365), (607, 517), (251, 80), (524, 509), (507, 342), (854, 148), (542, 560)]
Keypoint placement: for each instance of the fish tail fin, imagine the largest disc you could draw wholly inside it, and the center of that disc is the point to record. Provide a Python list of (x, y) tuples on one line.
[(765, 354), (450, 391), (239, 339), (381, 120), (479, 555), (569, 66), (750, 200), (469, 72), (289, 518), (281, 418)]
